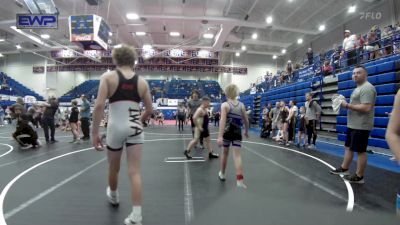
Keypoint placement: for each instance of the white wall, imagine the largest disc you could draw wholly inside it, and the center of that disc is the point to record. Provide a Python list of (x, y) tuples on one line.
[(257, 65)]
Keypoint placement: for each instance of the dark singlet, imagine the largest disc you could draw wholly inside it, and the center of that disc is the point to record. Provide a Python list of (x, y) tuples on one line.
[(205, 122), (127, 89), (284, 115), (73, 117)]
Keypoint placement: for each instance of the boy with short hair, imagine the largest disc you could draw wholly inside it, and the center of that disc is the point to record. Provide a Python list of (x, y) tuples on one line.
[(201, 120)]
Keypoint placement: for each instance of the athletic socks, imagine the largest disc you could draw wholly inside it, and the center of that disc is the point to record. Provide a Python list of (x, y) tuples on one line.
[(135, 217), (113, 197), (240, 182), (221, 176)]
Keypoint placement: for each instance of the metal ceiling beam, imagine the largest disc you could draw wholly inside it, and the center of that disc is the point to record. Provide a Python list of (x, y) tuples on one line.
[(252, 52), (234, 39), (231, 21), (229, 7)]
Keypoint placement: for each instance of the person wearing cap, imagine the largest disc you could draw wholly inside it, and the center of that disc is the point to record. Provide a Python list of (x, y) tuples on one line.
[(85, 118), (350, 48)]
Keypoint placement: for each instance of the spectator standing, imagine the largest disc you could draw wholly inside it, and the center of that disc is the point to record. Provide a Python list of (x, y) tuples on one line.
[(264, 115), (2, 115), (217, 117), (292, 119), (310, 56), (49, 110), (360, 122), (349, 48), (313, 113), (85, 118), (274, 115)]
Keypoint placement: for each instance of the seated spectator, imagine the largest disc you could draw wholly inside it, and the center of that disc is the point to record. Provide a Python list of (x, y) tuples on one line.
[(372, 45), (326, 68), (360, 46), (310, 56), (335, 59)]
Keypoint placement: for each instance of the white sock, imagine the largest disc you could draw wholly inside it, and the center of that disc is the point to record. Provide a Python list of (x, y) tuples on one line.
[(137, 210)]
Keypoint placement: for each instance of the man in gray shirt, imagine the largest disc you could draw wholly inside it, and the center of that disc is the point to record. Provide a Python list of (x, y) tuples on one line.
[(313, 114), (360, 122), (274, 115)]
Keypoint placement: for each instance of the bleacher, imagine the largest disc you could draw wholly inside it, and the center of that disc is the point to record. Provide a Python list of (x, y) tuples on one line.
[(295, 91), (175, 89), (179, 89), (157, 87), (17, 89), (384, 74), (88, 88), (211, 88)]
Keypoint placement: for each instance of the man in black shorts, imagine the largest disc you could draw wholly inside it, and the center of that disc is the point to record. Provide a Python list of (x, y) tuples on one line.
[(360, 122)]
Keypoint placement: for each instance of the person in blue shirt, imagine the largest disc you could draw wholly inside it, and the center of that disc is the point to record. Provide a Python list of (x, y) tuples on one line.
[(2, 114), (85, 118)]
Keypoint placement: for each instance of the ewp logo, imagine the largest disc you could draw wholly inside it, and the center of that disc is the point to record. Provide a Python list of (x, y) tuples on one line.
[(34, 21)]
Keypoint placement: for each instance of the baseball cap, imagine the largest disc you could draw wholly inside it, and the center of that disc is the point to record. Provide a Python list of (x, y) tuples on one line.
[(347, 31)]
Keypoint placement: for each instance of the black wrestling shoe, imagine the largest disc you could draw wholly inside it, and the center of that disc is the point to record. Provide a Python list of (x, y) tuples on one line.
[(213, 155), (187, 154), (354, 179), (340, 171)]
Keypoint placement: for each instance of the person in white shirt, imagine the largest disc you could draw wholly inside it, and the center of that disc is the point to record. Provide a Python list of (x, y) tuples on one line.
[(349, 47)]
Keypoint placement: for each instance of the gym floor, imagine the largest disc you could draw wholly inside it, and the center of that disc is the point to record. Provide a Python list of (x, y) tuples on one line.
[(65, 183)]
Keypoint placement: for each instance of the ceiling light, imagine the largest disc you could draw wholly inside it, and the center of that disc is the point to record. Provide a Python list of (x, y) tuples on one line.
[(300, 41), (45, 36), (110, 33), (244, 48), (147, 46), (237, 54), (352, 9), (2, 39), (269, 19), (132, 16), (321, 27), (18, 46), (274, 57), (174, 34), (283, 51), (1, 55), (208, 35), (140, 33), (254, 36)]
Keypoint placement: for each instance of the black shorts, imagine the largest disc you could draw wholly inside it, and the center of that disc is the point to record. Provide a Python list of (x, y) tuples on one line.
[(357, 140)]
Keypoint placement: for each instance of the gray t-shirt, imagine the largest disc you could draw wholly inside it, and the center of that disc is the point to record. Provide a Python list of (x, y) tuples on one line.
[(363, 94), (275, 114), (193, 105), (312, 109)]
